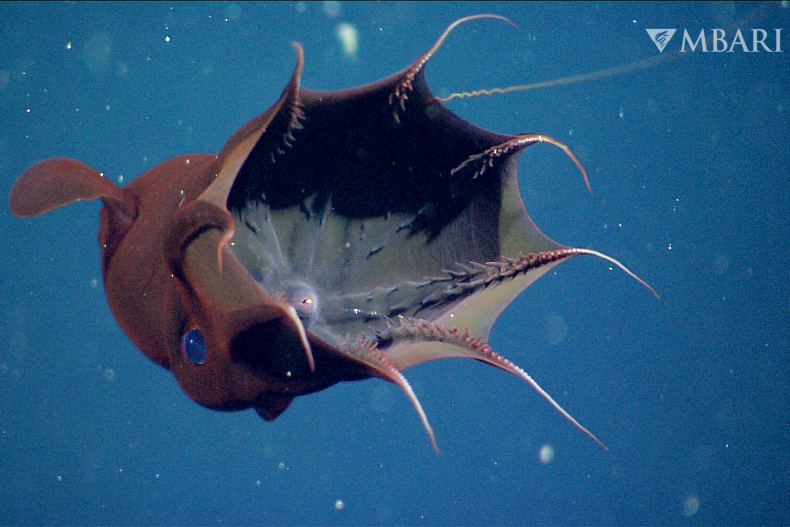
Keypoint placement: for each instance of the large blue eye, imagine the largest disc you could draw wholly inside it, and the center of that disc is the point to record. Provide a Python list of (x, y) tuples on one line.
[(193, 346)]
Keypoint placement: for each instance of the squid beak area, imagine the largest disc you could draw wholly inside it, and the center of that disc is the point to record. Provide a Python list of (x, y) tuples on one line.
[(239, 322)]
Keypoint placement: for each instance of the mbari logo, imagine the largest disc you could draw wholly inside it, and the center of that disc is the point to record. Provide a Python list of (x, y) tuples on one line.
[(661, 37), (719, 43)]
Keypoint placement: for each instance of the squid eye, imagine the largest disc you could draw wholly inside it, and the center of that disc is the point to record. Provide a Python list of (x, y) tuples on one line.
[(193, 346)]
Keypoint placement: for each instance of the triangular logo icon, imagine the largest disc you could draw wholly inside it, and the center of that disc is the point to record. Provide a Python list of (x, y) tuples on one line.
[(660, 37)]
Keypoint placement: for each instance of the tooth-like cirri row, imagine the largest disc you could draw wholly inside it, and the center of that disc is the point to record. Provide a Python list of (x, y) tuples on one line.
[(410, 295), (412, 329), (366, 351)]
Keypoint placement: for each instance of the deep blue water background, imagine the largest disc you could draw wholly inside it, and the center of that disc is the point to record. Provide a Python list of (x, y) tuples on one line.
[(690, 166)]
